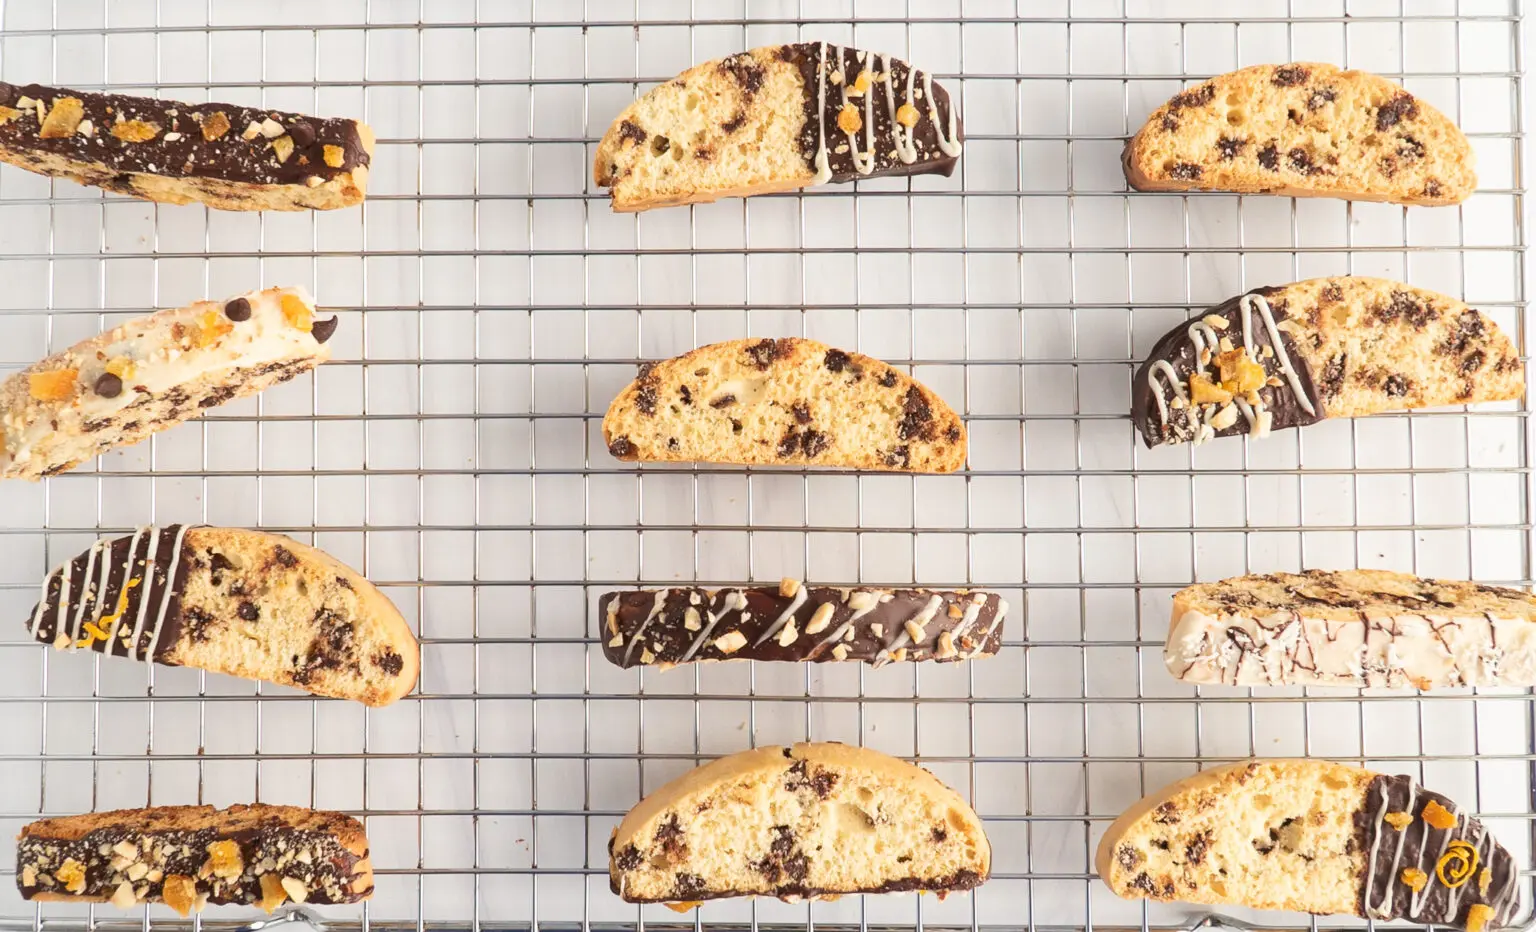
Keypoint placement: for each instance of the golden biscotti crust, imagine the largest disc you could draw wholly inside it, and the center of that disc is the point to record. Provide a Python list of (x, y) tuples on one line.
[(808, 820), (1305, 129), (787, 402)]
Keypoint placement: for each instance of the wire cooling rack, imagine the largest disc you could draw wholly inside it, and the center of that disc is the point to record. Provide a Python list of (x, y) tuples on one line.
[(452, 449)]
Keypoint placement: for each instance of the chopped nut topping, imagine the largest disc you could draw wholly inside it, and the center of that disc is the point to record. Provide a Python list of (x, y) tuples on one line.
[(126, 849), (646, 656), (899, 655), (1225, 418), (819, 619), (788, 634), (224, 859), (1398, 820), (1215, 321), (86, 128), (906, 115), (272, 893), (297, 312), (1438, 816), (58, 385), (334, 156), (251, 131), (616, 641), (270, 128), (849, 120), (135, 131), (1414, 878), (915, 631), (954, 611), (123, 897), (691, 620), (137, 871), (62, 120), (72, 875), (730, 643), (283, 146), (215, 126), (7, 114), (946, 645), (788, 587), (1478, 915), (877, 629), (295, 889), (840, 652), (860, 85)]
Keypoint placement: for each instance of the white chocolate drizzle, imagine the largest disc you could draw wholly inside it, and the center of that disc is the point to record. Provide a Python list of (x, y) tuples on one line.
[(903, 138), (734, 601), (902, 639), (656, 606), (948, 138), (823, 163), (981, 642), (784, 616), (862, 604)]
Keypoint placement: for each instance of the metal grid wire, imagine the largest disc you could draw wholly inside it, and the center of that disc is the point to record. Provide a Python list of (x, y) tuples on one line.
[(452, 449)]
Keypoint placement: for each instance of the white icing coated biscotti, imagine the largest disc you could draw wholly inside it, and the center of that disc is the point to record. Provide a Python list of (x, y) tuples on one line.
[(152, 373), (1352, 628)]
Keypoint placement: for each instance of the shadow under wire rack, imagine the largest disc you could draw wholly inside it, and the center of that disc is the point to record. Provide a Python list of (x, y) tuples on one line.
[(452, 449)]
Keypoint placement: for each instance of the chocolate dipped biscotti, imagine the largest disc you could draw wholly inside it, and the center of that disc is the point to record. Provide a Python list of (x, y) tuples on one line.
[(222, 155), (777, 118), (798, 622), (786, 402), (1293, 355), (1352, 628), (1312, 836), (812, 820), (152, 373), (231, 601), (190, 856), (1304, 130)]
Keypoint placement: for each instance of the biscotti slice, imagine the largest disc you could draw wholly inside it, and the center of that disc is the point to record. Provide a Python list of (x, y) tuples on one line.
[(798, 622), (815, 819), (229, 157), (1292, 355), (783, 402), (1352, 628), (1312, 836), (190, 856), (776, 118), (232, 601), (1303, 130), (151, 373)]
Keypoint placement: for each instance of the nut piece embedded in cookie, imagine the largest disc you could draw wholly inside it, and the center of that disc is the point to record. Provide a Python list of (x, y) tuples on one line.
[(784, 401)]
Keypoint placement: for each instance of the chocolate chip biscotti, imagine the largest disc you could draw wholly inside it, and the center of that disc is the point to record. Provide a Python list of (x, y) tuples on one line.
[(232, 601), (229, 157), (815, 819), (798, 622), (1352, 628), (152, 373), (190, 856), (1312, 836), (1292, 355), (785, 402), (1304, 130), (777, 118)]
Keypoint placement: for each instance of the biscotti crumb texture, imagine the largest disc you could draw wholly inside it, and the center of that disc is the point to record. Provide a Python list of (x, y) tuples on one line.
[(1303, 129), (786, 401), (815, 819), (152, 373), (190, 856)]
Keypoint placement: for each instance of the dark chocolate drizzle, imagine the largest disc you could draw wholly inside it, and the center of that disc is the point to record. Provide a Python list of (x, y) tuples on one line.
[(1388, 851), (931, 160), (667, 638), (154, 565), (327, 876), (230, 157), (1178, 350)]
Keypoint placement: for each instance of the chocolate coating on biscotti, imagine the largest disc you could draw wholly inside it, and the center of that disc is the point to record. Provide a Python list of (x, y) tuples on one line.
[(107, 139), (1463, 866), (816, 624), (848, 62), (304, 855), (1178, 350)]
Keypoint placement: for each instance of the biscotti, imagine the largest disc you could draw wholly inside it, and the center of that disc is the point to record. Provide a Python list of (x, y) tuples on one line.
[(798, 622), (231, 601), (152, 373), (777, 118), (1292, 355), (228, 157), (1305, 130), (812, 820), (784, 402), (190, 856), (1312, 836), (1352, 628)]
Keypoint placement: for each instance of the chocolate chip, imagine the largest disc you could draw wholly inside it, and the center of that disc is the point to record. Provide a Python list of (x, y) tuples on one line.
[(392, 663), (747, 72), (1432, 188), (284, 557), (1128, 857), (1269, 158), (1194, 851), (323, 329), (704, 153), (1331, 294), (938, 834), (238, 309), (1195, 97), (1395, 385), (1410, 148), (1186, 171), (814, 442), (735, 426), (1230, 147), (1290, 75), (248, 611), (1321, 98), (1399, 108), (724, 401), (1166, 814), (802, 412), (669, 837), (220, 563), (687, 886), (836, 360), (109, 385), (764, 352), (734, 123), (628, 859), (888, 378), (917, 417), (645, 397), (1473, 362), (660, 145), (899, 456), (953, 434), (302, 134), (1301, 161), (630, 131), (789, 444), (1169, 122)]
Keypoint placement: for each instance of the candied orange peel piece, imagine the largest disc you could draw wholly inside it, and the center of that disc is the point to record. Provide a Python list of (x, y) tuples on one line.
[(1239, 373), (210, 326), (1398, 820), (215, 125), (1484, 881), (906, 115), (180, 893), (297, 313), (135, 131), (1203, 391), (1438, 816), (121, 366), (272, 893), (58, 385), (224, 859), (72, 875), (63, 119), (848, 119), (1415, 879), (1477, 917), (684, 906), (334, 156)]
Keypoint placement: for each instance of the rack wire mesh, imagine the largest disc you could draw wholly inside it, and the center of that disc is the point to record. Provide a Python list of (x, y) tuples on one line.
[(452, 449)]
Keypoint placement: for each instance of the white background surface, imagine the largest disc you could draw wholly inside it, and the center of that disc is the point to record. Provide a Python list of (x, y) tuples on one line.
[(453, 448)]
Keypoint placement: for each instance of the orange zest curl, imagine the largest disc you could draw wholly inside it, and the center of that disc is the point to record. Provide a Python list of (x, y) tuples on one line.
[(1456, 866)]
